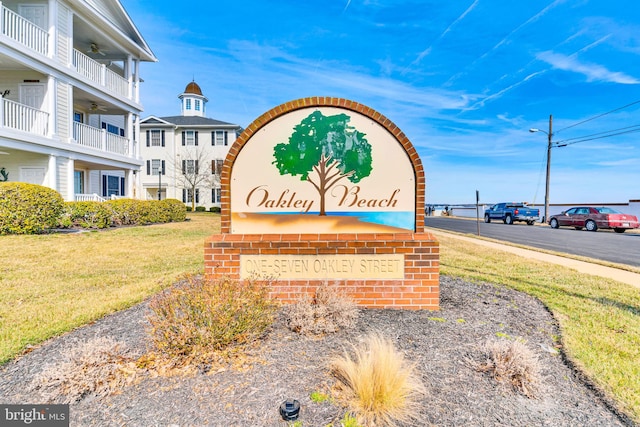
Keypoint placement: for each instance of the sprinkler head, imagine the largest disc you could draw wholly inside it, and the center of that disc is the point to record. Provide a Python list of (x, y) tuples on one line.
[(290, 409)]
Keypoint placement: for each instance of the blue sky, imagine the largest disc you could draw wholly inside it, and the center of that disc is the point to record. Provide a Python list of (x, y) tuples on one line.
[(465, 80)]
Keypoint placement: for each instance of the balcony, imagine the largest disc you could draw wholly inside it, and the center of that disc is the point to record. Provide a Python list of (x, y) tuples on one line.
[(100, 139), (36, 39), (24, 32), (100, 74), (23, 118)]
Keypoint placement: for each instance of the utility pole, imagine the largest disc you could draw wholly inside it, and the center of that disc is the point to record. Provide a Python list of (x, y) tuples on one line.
[(549, 145), (546, 193)]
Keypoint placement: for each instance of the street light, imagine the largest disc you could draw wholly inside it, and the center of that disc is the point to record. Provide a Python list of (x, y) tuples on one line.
[(160, 181), (549, 138)]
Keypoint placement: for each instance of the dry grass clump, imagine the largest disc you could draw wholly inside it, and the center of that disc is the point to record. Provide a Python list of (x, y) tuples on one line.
[(377, 385), (97, 367), (200, 316), (329, 310), (513, 363)]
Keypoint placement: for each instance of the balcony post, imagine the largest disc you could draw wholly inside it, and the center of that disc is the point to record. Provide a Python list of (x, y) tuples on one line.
[(1, 18)]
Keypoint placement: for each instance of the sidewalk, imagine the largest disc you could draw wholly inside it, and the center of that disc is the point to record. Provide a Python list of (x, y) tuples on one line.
[(622, 276)]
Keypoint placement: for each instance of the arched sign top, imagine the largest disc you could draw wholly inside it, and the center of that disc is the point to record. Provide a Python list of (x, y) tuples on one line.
[(322, 165)]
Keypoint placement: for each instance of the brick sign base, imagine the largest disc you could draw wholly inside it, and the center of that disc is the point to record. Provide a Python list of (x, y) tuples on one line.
[(340, 257)]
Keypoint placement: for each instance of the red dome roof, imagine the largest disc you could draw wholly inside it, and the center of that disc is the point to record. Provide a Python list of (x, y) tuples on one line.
[(193, 88)]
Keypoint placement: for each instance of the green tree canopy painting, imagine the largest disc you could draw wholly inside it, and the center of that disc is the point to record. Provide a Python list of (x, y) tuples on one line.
[(324, 150)]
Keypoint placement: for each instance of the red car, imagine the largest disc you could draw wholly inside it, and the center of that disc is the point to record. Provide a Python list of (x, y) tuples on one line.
[(594, 218)]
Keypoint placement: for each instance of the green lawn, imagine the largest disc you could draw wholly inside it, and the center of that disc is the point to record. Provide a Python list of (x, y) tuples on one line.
[(50, 284)]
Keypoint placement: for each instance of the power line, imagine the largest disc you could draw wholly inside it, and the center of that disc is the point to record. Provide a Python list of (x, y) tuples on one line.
[(598, 116), (562, 143), (605, 134)]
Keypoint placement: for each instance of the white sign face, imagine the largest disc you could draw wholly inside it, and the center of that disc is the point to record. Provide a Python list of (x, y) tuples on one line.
[(322, 170), (377, 266)]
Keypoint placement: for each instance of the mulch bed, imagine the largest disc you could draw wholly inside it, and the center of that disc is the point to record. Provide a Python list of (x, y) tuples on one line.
[(287, 365)]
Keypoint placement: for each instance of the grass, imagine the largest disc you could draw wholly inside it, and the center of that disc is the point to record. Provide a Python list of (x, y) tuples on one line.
[(50, 284), (378, 385), (599, 318)]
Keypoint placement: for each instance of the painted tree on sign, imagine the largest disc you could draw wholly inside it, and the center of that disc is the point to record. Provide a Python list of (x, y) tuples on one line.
[(324, 150)]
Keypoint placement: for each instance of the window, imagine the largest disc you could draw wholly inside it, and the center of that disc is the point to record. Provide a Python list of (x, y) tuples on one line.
[(219, 137), (216, 166), (112, 186), (78, 117), (78, 182), (187, 104), (189, 167), (216, 194), (190, 137), (154, 165), (155, 138), (187, 194), (197, 105)]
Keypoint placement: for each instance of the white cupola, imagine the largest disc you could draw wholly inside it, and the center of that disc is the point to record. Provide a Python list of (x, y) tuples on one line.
[(193, 101)]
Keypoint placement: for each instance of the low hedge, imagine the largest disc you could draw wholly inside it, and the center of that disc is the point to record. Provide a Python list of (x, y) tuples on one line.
[(28, 208), (32, 209)]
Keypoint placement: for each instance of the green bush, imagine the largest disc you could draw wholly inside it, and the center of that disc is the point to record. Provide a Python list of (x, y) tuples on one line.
[(28, 208), (127, 211), (87, 215), (189, 209), (200, 316), (200, 209), (175, 209), (215, 209)]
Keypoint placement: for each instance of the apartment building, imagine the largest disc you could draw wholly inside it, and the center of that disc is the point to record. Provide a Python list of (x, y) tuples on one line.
[(184, 154), (70, 107)]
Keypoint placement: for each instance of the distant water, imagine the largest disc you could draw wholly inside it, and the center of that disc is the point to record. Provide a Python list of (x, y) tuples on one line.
[(404, 219)]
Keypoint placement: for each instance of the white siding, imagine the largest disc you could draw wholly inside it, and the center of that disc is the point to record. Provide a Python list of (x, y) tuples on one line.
[(63, 41), (62, 111)]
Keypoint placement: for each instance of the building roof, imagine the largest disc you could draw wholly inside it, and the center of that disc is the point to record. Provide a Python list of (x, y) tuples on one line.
[(187, 121), (193, 87)]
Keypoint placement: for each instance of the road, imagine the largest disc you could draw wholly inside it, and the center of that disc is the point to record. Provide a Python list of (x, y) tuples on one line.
[(603, 245)]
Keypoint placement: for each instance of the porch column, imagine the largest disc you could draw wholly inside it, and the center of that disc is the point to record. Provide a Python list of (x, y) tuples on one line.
[(52, 175), (71, 180), (51, 106), (128, 73), (136, 80), (129, 133), (131, 184), (52, 8)]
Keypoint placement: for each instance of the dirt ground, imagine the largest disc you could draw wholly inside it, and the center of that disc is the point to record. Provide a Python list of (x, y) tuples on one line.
[(287, 365)]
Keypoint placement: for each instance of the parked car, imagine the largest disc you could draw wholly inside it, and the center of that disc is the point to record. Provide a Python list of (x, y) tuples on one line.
[(512, 212), (593, 218)]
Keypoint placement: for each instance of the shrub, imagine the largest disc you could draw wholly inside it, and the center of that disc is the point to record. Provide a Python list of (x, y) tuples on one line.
[(126, 211), (215, 209), (200, 316), (328, 311), (200, 209), (175, 209), (377, 385), (86, 215), (189, 209), (28, 208), (512, 362), (98, 367)]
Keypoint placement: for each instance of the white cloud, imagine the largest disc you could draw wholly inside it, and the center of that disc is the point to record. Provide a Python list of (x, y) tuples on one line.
[(593, 72)]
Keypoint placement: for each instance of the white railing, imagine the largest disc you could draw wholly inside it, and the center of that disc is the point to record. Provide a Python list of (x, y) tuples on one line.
[(100, 139), (22, 117), (117, 144), (89, 198), (24, 32), (100, 74)]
